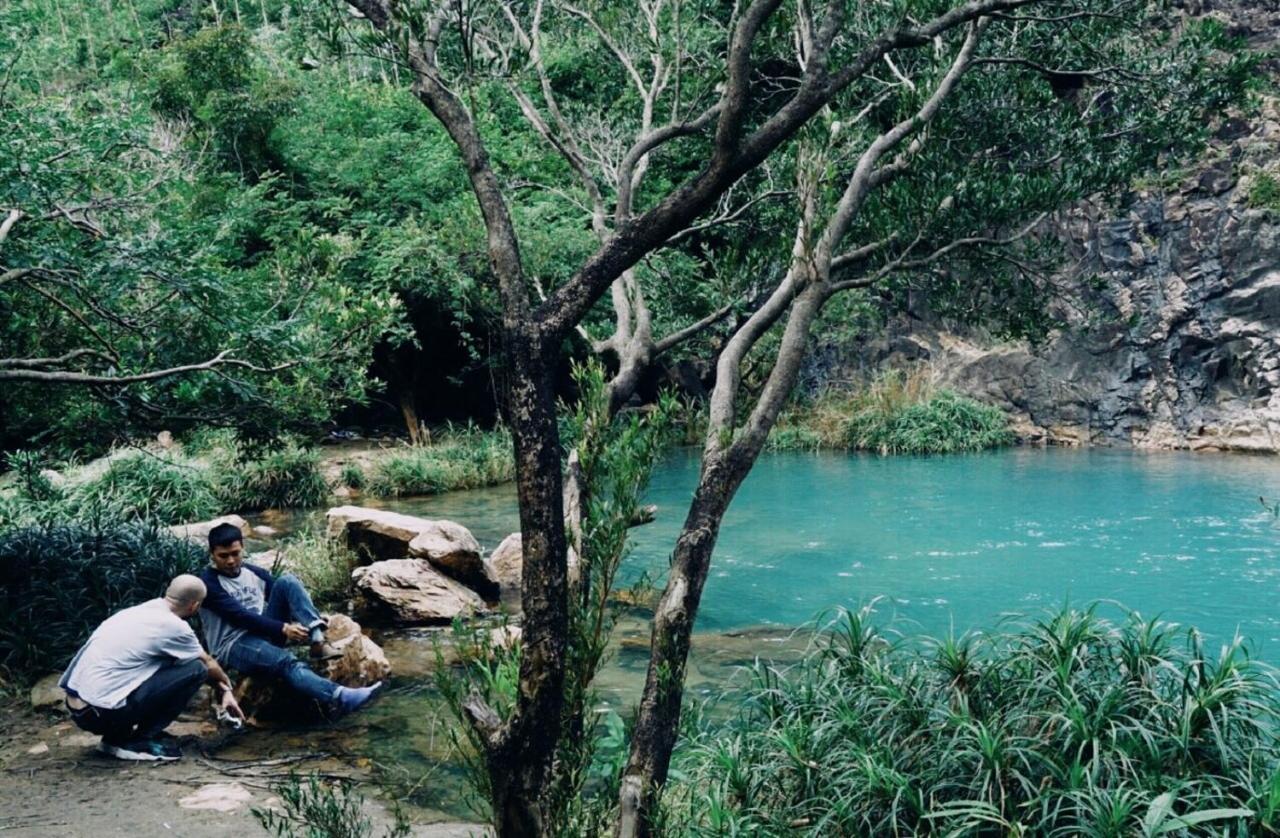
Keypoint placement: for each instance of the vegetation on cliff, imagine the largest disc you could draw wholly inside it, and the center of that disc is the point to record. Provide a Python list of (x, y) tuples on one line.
[(897, 413)]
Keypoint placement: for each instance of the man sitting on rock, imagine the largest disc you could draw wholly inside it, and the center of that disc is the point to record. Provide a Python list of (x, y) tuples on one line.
[(138, 671), (250, 617)]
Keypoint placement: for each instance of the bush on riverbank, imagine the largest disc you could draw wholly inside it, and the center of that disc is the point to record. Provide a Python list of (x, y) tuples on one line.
[(57, 584), (167, 487), (464, 458), (1071, 725), (282, 477), (896, 414), (321, 563)]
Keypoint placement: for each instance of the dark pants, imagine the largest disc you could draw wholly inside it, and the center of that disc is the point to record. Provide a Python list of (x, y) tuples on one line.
[(253, 655), (150, 708)]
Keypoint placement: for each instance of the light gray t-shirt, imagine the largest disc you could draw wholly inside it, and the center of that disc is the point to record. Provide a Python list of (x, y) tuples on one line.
[(250, 591), (127, 649)]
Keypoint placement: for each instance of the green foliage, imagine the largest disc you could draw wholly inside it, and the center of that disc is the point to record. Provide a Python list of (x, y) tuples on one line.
[(57, 583), (283, 475), (615, 457), (352, 476), (896, 413), (459, 458), (142, 486), (322, 564), (1068, 725), (1264, 191), (312, 807), (176, 240)]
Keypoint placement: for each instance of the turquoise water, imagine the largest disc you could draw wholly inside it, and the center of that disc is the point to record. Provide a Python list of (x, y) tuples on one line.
[(947, 543), (964, 540)]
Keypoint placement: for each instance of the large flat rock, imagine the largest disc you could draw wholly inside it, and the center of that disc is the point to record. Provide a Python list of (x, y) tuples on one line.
[(378, 535), (198, 533), (411, 591), (505, 566)]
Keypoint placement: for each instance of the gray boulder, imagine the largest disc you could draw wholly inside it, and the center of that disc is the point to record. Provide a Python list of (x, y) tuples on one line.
[(411, 591), (378, 535)]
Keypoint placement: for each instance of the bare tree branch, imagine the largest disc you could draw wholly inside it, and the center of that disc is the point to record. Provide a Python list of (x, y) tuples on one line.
[(60, 377)]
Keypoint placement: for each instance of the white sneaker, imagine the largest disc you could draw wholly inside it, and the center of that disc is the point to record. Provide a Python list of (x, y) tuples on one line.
[(140, 750)]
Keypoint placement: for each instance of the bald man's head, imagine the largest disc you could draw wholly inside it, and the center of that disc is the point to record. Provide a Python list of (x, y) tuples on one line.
[(185, 593)]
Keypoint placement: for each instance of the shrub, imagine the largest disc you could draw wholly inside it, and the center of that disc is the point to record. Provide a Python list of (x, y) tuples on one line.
[(945, 424), (314, 808), (146, 487), (461, 459), (1264, 191), (58, 583), (1072, 725), (895, 414), (322, 564), (352, 476), (284, 476)]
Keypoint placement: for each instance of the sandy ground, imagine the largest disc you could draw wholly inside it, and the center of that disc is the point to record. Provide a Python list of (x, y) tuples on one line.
[(53, 782)]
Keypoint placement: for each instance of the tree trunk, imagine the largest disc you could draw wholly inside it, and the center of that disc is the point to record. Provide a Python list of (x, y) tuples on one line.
[(657, 721), (409, 410), (519, 758), (725, 465)]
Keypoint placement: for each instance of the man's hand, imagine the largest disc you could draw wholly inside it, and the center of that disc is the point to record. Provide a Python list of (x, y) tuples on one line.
[(296, 632), (230, 706)]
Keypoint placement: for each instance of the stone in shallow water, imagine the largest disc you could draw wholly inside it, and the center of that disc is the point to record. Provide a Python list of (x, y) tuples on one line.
[(505, 565), (410, 591), (379, 535)]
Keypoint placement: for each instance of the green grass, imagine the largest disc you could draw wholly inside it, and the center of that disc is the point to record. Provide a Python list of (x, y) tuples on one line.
[(352, 476), (58, 583), (323, 565), (280, 477), (459, 459), (1264, 191), (140, 486), (895, 414), (1071, 725), (169, 487)]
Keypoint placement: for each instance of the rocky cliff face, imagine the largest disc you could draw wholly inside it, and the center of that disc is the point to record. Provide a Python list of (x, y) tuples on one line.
[(1173, 337)]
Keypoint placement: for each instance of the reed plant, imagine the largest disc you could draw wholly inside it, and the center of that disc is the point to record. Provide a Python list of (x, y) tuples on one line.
[(321, 563), (459, 458), (57, 583), (283, 475), (896, 413), (1068, 725)]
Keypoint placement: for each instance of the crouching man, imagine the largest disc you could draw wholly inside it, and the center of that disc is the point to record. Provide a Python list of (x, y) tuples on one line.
[(250, 617), (138, 671)]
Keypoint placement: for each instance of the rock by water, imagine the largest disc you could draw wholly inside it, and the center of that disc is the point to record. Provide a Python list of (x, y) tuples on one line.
[(377, 535), (411, 591)]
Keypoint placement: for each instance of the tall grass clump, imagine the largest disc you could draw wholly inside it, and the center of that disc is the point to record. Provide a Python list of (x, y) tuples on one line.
[(460, 458), (141, 486), (311, 807), (1072, 725), (279, 477), (897, 413), (321, 563), (58, 583)]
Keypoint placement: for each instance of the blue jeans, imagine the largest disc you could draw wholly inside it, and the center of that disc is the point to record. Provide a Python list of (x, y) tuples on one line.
[(290, 603), (253, 655)]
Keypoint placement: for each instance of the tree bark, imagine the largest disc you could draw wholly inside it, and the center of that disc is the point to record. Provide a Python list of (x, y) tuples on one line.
[(725, 465), (519, 756)]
